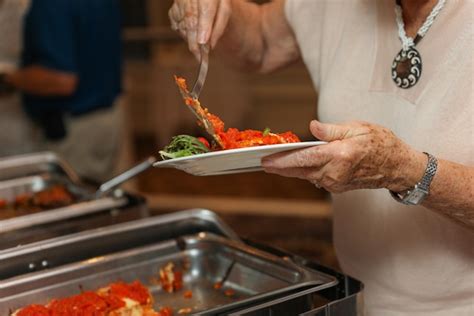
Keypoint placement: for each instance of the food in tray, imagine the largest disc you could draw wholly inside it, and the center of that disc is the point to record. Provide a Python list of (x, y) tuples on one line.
[(120, 299), (184, 311), (165, 311), (229, 292), (53, 197), (232, 138), (188, 294), (3, 203), (117, 299), (171, 278)]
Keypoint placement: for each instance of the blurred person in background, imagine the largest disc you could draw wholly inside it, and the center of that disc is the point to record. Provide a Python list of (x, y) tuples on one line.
[(70, 79), (412, 247), (12, 117)]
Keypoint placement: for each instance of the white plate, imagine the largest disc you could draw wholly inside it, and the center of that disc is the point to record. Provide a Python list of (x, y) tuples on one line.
[(229, 161)]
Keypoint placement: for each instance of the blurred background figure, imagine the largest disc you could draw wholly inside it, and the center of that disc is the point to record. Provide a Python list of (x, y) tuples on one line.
[(70, 80), (12, 118)]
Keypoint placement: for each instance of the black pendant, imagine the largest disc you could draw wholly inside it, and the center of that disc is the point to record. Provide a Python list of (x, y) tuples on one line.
[(406, 68)]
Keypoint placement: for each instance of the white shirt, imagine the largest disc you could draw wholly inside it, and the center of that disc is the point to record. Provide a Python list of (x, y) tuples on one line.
[(411, 260)]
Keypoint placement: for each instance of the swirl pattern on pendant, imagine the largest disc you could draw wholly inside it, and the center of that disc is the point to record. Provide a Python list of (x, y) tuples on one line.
[(406, 68)]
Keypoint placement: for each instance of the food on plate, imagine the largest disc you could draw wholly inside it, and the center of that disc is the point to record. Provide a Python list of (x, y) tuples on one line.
[(230, 138), (184, 145), (117, 299), (217, 285), (171, 278)]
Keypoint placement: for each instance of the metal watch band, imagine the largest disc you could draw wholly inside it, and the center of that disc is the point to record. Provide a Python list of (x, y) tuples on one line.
[(418, 193), (430, 172)]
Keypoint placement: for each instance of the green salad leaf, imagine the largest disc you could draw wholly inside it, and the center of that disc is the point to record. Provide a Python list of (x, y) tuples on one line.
[(266, 131), (183, 146)]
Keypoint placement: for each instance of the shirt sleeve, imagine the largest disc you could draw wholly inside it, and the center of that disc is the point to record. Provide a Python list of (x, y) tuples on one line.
[(50, 38)]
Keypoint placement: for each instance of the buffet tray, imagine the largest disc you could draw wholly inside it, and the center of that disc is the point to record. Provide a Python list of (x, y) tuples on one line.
[(344, 299), (74, 247), (206, 258), (33, 164), (10, 189), (134, 209), (85, 203)]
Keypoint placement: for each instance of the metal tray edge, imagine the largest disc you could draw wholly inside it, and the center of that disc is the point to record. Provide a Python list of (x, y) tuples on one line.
[(129, 226)]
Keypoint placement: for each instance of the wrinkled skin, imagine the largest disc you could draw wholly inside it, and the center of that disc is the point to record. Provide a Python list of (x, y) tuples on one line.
[(358, 155), (200, 21)]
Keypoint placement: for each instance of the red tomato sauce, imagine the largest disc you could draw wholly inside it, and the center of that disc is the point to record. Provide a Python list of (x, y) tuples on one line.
[(233, 138), (165, 311), (34, 310), (92, 303), (135, 291)]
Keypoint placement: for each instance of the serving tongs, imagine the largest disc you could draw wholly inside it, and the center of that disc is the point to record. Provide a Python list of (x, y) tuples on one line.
[(192, 98), (113, 183)]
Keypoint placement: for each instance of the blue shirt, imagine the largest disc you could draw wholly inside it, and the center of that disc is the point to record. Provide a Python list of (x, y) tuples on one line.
[(77, 36)]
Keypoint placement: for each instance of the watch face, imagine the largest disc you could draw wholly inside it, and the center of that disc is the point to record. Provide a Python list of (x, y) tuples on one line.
[(416, 196)]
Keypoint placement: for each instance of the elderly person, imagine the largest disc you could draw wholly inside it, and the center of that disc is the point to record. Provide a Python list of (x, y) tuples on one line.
[(394, 82)]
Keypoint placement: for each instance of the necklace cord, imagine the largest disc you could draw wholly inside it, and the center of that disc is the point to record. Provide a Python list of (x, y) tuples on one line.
[(408, 42)]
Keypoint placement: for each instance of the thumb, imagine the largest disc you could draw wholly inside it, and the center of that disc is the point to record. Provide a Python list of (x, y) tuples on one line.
[(329, 132)]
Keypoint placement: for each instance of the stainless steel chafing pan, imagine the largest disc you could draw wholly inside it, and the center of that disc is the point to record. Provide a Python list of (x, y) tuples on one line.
[(255, 275), (79, 246), (34, 164), (10, 189), (14, 219), (343, 299)]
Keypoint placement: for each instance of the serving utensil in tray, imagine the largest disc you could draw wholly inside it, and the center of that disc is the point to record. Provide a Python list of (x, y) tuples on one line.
[(204, 259), (128, 174)]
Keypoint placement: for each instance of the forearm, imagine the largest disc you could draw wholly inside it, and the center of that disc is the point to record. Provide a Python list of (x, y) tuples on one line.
[(452, 192), (42, 81), (452, 188), (258, 37)]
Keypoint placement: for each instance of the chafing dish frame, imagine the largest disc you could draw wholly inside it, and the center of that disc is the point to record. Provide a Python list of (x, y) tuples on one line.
[(95, 242), (36, 163), (256, 276), (31, 184)]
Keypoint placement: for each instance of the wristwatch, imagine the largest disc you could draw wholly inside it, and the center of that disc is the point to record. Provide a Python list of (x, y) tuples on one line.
[(420, 191)]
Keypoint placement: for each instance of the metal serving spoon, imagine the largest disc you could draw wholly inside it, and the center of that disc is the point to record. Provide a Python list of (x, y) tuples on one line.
[(194, 105)]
